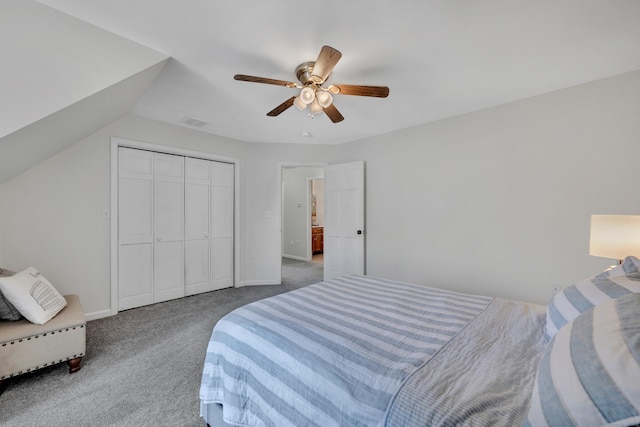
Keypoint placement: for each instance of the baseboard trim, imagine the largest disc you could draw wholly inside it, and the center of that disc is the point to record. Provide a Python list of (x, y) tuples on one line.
[(257, 283), (299, 258), (98, 314)]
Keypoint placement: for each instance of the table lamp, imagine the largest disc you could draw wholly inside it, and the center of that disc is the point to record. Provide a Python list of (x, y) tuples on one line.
[(615, 236)]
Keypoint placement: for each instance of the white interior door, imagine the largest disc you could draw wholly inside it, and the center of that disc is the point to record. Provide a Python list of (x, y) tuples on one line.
[(197, 218), (169, 227), (222, 227), (344, 240), (135, 231)]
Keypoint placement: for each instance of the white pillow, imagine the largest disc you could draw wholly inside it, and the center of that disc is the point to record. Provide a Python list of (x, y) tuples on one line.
[(32, 295), (590, 372)]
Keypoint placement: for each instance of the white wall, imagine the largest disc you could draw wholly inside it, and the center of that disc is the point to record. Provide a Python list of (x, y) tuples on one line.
[(499, 201), (58, 60), (495, 202), (262, 196), (54, 218), (296, 211), (2, 204)]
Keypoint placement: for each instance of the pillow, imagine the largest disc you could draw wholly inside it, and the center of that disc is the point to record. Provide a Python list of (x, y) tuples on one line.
[(589, 374), (7, 310), (575, 299), (32, 295)]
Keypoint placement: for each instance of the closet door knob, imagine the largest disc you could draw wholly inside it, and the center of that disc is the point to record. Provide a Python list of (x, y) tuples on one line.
[(159, 239), (206, 236)]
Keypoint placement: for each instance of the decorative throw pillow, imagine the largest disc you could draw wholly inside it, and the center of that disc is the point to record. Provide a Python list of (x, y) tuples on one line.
[(585, 294), (7, 310), (589, 374), (32, 295)]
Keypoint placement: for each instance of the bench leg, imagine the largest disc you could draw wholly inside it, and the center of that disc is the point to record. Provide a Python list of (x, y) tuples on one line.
[(74, 364)]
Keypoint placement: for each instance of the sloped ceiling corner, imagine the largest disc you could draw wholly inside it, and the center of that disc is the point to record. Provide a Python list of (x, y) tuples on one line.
[(57, 72)]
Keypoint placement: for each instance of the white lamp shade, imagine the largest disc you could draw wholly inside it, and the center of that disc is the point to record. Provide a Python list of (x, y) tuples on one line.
[(307, 95), (615, 236), (324, 99), (298, 103)]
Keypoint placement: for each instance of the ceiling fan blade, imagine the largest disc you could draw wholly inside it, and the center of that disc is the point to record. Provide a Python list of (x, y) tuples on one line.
[(327, 59), (254, 79), (377, 91), (332, 112), (282, 107)]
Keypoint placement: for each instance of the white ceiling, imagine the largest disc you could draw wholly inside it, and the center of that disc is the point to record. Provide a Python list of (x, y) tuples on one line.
[(439, 58)]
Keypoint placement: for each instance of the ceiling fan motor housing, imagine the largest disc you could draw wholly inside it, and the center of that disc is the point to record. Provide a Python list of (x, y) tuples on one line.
[(304, 74)]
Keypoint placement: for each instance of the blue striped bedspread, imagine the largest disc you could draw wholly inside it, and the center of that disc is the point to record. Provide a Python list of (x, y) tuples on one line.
[(336, 353)]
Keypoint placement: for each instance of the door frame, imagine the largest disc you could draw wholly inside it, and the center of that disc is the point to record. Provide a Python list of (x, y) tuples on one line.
[(309, 221), (282, 165), (121, 142)]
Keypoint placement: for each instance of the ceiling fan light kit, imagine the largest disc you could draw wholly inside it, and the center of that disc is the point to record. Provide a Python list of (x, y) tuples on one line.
[(312, 75), (324, 99), (307, 95)]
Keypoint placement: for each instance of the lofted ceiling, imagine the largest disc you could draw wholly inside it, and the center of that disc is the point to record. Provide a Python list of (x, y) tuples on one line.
[(439, 58)]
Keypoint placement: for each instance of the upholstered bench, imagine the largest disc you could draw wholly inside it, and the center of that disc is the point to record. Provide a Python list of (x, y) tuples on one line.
[(26, 346)]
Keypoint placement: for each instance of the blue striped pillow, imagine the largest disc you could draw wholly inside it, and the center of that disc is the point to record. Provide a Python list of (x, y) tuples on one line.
[(590, 372), (585, 294)]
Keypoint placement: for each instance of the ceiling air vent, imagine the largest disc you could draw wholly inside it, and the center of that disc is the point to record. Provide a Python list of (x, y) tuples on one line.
[(197, 123)]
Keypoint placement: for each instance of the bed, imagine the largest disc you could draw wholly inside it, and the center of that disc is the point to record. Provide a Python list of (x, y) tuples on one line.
[(364, 351)]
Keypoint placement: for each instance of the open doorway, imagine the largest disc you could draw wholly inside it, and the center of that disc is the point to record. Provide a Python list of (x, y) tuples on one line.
[(316, 189), (302, 225)]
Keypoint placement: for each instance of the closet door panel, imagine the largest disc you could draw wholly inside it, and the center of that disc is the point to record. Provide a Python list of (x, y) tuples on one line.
[(222, 205), (135, 275), (135, 240), (168, 271), (136, 207), (197, 215), (169, 227), (222, 263), (222, 211), (197, 267)]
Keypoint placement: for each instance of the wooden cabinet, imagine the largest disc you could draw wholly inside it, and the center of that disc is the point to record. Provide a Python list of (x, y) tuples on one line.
[(317, 240)]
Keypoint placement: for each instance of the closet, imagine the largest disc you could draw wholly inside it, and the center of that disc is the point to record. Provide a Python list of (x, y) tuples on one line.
[(175, 218)]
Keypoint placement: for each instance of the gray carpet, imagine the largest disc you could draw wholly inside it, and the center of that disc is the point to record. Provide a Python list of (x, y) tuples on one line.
[(142, 366), (297, 273)]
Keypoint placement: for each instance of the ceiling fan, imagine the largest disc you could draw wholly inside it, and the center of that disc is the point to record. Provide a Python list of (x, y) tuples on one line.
[(312, 77)]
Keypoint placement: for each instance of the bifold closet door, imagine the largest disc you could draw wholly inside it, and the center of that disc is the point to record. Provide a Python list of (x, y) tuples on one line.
[(151, 227), (176, 225), (209, 207), (135, 228), (197, 227), (168, 259), (222, 209)]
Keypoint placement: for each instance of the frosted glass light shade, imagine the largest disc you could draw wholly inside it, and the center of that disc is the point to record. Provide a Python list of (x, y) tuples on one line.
[(316, 108), (324, 99), (307, 95), (298, 103), (615, 236)]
